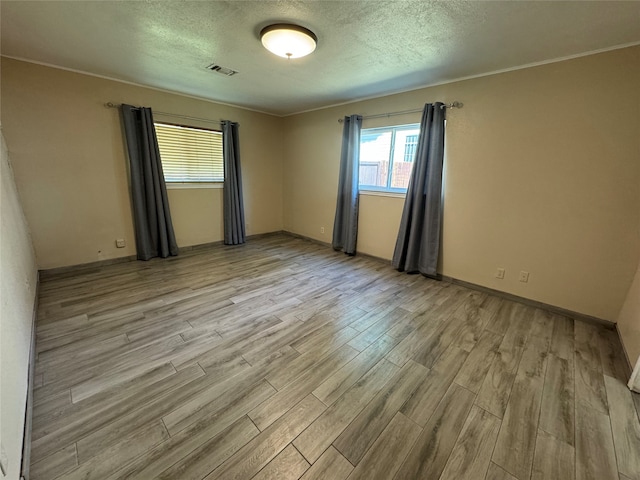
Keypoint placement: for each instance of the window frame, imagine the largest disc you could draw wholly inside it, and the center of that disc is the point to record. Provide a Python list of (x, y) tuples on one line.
[(413, 148), (387, 190), (171, 185)]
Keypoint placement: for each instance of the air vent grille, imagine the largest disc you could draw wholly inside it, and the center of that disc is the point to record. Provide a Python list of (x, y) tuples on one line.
[(214, 67)]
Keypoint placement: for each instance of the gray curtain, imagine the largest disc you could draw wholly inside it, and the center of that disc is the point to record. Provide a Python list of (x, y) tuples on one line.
[(152, 218), (234, 229), (345, 225), (418, 244)]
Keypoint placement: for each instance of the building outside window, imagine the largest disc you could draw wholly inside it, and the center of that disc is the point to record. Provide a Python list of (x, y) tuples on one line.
[(386, 157)]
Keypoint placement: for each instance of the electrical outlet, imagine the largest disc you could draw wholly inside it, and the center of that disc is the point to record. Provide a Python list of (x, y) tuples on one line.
[(120, 243), (500, 273), (321, 229), (524, 276)]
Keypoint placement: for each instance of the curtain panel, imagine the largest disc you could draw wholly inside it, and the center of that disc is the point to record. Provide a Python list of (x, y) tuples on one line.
[(345, 226), (233, 206), (152, 219), (418, 245)]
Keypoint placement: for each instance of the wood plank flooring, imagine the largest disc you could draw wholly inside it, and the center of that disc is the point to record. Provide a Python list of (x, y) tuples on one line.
[(282, 359)]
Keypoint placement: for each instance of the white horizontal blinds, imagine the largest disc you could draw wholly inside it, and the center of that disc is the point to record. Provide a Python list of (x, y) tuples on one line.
[(190, 154)]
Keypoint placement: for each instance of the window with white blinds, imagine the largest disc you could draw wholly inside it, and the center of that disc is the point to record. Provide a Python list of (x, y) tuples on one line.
[(190, 155)]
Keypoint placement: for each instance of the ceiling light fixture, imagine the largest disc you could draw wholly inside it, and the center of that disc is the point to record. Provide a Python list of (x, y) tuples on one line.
[(288, 41)]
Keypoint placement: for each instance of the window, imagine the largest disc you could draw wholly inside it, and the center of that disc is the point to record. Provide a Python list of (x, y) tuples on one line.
[(386, 157), (410, 148), (190, 155)]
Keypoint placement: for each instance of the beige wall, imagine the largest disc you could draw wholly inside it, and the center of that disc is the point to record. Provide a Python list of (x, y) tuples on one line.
[(70, 164), (542, 174), (205, 221), (629, 322), (17, 295)]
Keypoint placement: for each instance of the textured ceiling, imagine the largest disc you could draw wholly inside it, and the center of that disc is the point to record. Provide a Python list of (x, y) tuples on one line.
[(365, 48)]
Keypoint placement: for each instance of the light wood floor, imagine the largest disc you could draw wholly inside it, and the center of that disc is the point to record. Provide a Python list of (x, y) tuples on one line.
[(282, 359)]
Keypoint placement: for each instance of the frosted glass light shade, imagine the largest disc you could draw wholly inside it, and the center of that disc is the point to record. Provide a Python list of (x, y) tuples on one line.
[(288, 41)]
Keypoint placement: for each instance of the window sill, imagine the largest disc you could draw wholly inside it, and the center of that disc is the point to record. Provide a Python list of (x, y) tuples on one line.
[(187, 186), (377, 193)]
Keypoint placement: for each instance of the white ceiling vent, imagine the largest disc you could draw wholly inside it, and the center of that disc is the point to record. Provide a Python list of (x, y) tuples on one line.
[(214, 67)]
